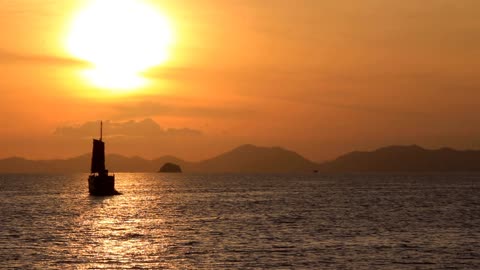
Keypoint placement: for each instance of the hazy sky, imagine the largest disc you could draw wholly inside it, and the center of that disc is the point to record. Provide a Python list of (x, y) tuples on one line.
[(318, 77)]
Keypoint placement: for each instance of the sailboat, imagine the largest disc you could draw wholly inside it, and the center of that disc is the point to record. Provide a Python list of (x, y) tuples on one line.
[(100, 183)]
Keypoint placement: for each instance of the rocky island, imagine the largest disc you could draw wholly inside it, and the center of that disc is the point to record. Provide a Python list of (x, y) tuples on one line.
[(170, 168)]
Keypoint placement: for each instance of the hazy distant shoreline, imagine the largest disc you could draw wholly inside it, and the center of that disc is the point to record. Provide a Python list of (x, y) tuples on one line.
[(254, 159)]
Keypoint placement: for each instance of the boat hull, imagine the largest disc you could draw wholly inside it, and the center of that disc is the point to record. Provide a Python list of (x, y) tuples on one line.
[(102, 185)]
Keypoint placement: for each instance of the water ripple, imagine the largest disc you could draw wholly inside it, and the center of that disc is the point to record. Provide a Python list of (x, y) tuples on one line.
[(242, 222)]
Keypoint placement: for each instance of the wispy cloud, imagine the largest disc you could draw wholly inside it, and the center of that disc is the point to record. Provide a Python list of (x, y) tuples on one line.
[(12, 57), (153, 108), (146, 128)]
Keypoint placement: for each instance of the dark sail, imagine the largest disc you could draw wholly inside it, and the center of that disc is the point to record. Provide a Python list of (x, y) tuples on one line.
[(98, 157), (100, 183)]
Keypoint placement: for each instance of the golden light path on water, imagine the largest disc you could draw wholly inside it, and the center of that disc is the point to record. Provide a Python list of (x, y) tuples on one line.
[(121, 228), (241, 221), (121, 39)]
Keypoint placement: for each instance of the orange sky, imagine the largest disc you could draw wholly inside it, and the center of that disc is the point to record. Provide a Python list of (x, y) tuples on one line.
[(318, 77)]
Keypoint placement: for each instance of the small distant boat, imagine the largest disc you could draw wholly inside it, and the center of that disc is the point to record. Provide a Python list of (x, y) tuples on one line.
[(99, 182)]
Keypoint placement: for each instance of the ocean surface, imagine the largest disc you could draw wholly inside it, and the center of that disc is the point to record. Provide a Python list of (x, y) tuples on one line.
[(242, 222)]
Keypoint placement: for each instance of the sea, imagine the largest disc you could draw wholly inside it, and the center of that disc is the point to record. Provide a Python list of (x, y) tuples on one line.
[(235, 221)]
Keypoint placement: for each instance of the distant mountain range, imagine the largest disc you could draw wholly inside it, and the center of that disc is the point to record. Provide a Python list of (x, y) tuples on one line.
[(406, 159), (244, 159), (254, 159)]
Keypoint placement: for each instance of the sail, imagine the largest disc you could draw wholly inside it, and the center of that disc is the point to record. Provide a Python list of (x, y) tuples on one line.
[(98, 157)]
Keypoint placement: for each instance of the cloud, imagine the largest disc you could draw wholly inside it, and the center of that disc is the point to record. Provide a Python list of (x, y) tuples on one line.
[(146, 128), (379, 110), (149, 109), (11, 57)]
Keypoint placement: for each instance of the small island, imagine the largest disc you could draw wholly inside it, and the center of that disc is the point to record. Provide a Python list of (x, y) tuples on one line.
[(170, 168)]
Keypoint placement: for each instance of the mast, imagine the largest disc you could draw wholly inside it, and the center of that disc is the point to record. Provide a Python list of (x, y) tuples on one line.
[(101, 130)]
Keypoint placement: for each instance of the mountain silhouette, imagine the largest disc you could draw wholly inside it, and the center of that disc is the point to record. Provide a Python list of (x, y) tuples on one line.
[(411, 158), (254, 159), (117, 163), (244, 159)]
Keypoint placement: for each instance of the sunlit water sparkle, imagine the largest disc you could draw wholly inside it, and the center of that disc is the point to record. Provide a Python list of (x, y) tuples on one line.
[(242, 222)]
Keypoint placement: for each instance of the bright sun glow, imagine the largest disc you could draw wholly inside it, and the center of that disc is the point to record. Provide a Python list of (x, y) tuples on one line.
[(122, 39)]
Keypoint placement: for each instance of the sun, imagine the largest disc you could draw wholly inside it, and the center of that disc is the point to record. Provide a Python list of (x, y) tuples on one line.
[(121, 39)]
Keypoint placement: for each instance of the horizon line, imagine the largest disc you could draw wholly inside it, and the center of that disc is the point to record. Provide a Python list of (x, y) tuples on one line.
[(232, 149)]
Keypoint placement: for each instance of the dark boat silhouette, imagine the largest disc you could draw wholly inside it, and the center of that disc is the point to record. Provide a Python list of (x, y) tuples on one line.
[(99, 182)]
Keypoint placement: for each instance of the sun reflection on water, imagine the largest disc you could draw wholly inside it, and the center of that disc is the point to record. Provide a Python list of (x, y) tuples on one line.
[(239, 222), (123, 227)]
